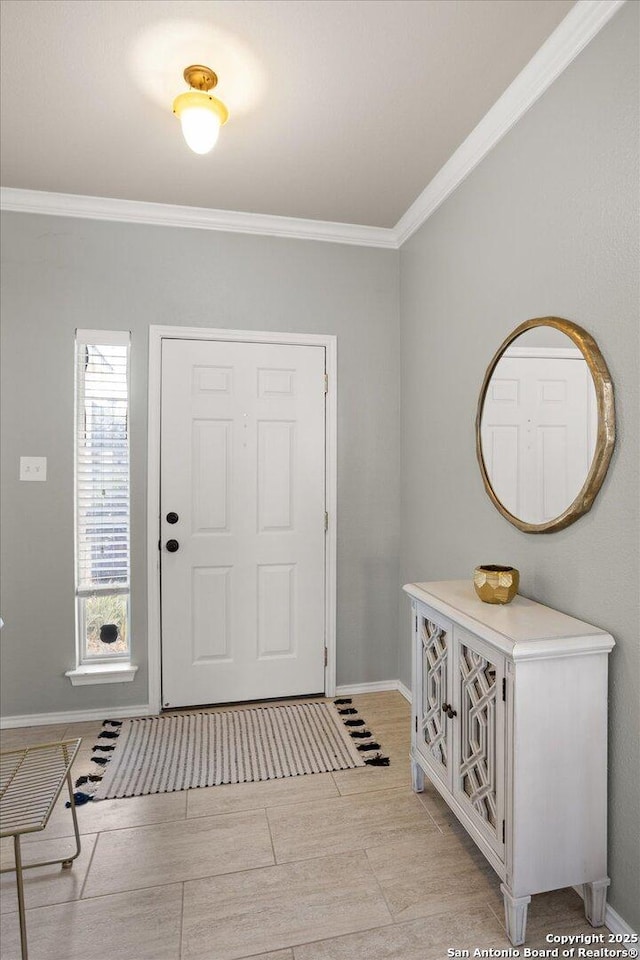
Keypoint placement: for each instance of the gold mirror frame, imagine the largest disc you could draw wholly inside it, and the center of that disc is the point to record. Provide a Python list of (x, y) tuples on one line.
[(605, 440)]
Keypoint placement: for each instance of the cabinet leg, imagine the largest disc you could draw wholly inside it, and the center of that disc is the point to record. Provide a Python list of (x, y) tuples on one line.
[(417, 777), (595, 901), (515, 916)]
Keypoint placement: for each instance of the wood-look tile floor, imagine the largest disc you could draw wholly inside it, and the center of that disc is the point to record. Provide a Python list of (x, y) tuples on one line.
[(345, 866)]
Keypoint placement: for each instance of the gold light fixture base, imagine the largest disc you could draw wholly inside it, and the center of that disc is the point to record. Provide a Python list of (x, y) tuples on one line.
[(200, 78)]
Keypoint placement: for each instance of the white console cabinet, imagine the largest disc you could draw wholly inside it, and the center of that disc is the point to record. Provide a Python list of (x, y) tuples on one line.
[(510, 726)]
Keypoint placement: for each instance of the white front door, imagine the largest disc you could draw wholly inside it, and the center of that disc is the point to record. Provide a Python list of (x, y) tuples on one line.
[(243, 468)]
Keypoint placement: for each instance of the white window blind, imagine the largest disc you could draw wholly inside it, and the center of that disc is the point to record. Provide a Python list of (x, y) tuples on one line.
[(102, 462)]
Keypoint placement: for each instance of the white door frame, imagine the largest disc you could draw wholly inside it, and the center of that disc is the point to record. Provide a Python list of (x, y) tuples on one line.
[(156, 335)]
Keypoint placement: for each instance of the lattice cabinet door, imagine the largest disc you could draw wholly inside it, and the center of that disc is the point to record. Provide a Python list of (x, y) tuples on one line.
[(432, 729), (479, 752)]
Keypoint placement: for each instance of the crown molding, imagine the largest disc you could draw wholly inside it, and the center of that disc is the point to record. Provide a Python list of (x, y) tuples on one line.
[(572, 35), (200, 218), (583, 22)]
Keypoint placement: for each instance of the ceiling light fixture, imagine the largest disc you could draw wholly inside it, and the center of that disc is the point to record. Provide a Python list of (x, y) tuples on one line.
[(200, 114)]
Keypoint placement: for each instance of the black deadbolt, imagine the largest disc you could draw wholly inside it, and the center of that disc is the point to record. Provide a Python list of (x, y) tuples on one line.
[(172, 517), (172, 546)]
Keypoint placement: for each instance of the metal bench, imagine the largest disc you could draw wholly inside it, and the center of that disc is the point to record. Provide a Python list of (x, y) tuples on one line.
[(31, 780)]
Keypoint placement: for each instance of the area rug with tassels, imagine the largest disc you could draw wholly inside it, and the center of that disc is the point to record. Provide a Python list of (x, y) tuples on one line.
[(186, 750)]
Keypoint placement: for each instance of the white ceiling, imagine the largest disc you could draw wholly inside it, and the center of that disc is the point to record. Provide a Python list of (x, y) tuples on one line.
[(341, 110)]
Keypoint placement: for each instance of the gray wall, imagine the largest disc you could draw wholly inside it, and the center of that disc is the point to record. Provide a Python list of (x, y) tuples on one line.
[(547, 224), (59, 274)]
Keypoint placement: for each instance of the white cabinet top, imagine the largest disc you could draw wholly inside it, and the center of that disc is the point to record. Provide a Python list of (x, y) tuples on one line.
[(523, 629)]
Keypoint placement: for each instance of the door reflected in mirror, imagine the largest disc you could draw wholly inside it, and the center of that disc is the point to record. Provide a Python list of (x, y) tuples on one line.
[(545, 426), (539, 425)]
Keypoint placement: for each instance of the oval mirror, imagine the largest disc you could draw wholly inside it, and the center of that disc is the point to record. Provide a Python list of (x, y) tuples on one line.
[(545, 427)]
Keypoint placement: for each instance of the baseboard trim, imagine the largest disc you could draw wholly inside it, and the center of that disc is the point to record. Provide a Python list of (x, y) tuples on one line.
[(74, 716), (377, 686), (616, 923), (612, 919), (145, 710)]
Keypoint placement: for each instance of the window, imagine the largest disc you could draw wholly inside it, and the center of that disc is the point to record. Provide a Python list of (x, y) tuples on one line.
[(102, 496)]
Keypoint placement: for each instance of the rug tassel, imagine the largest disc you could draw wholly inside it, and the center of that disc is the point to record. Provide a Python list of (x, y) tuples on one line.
[(377, 761), (347, 710), (343, 700), (79, 799), (359, 734), (80, 782), (112, 723), (108, 735), (107, 749), (363, 747), (101, 760), (354, 723)]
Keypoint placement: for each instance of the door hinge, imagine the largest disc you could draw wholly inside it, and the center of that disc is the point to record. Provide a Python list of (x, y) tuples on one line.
[(416, 724), (326, 383), (326, 656), (503, 831), (326, 521), (504, 689), (159, 544)]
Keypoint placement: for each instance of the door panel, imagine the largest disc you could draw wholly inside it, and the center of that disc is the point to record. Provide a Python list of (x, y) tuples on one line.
[(478, 778), (243, 466), (211, 475), (276, 610), (210, 613), (276, 458), (433, 739)]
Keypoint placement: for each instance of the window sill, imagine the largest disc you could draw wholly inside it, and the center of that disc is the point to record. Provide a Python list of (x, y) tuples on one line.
[(102, 673)]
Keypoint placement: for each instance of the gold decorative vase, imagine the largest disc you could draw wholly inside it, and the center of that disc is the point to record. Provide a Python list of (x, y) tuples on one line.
[(496, 584)]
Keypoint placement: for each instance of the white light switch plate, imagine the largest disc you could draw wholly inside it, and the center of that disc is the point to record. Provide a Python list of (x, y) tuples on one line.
[(33, 468)]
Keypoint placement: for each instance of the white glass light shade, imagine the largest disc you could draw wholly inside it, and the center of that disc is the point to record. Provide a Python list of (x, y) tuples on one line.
[(200, 128), (201, 117)]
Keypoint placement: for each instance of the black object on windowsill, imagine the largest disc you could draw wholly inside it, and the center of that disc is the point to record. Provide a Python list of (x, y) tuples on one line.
[(109, 632)]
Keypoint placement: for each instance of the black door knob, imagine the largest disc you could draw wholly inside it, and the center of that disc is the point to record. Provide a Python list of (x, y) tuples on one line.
[(172, 517), (451, 713), (172, 546), (445, 707)]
